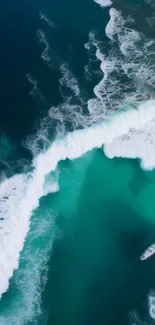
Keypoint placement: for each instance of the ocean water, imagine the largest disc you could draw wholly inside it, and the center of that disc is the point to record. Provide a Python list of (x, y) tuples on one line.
[(77, 162)]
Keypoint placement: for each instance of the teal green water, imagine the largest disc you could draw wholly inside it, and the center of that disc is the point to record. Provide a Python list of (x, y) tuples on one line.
[(81, 259), (105, 218)]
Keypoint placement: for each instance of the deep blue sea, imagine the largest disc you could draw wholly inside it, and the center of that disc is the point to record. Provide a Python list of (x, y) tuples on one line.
[(77, 162)]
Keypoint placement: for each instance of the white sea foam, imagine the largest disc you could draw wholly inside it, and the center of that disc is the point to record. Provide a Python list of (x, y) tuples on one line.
[(138, 142), (151, 304), (41, 140), (43, 40), (19, 196), (137, 58), (104, 3), (31, 276), (51, 184), (135, 320), (35, 91), (110, 92), (151, 21), (68, 113), (78, 142), (15, 210), (89, 69), (71, 110), (34, 83), (130, 53), (68, 80), (118, 30), (47, 20), (136, 49), (116, 22)]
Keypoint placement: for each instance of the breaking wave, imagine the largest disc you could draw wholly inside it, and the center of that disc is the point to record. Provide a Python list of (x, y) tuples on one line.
[(28, 189), (19, 197), (31, 277)]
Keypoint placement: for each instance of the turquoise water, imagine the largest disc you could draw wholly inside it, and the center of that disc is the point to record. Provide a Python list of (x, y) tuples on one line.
[(96, 275), (77, 163), (101, 225)]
